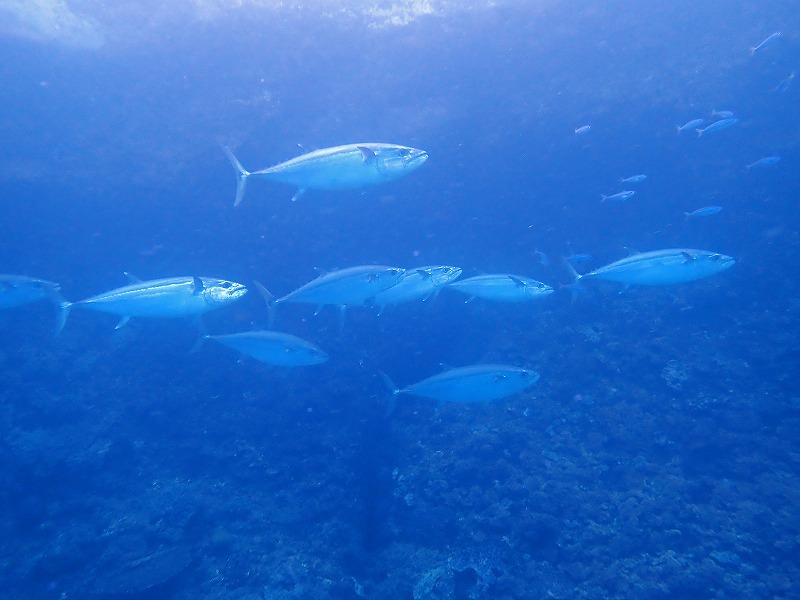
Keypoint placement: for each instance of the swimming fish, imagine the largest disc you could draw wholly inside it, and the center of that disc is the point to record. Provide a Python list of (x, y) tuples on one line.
[(583, 129), (502, 288), (634, 178), (722, 114), (172, 297), (767, 161), (542, 258), (693, 124), (421, 282), (785, 84), (345, 167), (619, 196), (273, 348), (717, 125), (18, 290), (352, 286), (706, 211), (476, 383), (661, 267), (767, 41)]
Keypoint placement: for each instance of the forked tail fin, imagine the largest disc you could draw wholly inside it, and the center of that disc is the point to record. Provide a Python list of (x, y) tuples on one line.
[(393, 390), (63, 313), (242, 174), (269, 299)]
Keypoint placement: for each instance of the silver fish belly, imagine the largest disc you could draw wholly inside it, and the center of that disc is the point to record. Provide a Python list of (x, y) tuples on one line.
[(274, 348), (663, 267), (171, 297), (502, 288), (350, 166)]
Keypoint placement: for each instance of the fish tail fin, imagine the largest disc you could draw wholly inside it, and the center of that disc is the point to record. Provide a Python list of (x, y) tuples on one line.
[(393, 390), (678, 127), (576, 277), (199, 343), (603, 197), (269, 299), (242, 173), (686, 216), (699, 132), (63, 313), (753, 50)]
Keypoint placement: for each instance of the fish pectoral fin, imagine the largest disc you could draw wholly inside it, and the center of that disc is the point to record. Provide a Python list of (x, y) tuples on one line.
[(518, 282), (366, 153), (687, 258), (123, 321), (197, 285), (298, 193), (424, 274), (132, 278)]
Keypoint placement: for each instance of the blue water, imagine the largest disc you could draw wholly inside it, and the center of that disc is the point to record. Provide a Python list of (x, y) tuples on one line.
[(655, 458)]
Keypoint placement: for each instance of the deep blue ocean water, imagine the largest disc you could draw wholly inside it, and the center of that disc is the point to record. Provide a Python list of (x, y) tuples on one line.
[(658, 455)]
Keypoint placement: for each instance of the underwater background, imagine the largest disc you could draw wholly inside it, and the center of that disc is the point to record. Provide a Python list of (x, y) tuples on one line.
[(657, 457)]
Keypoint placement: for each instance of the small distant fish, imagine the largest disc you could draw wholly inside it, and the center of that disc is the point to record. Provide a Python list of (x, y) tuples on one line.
[(416, 284), (767, 161), (722, 114), (476, 383), (706, 211), (273, 348), (634, 178), (578, 258), (693, 124), (502, 288), (717, 126), (18, 290), (767, 41), (618, 197), (784, 84), (583, 129), (542, 258)]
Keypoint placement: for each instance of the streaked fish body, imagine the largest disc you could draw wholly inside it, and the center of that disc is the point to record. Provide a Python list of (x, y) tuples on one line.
[(785, 84), (417, 283), (722, 114), (767, 161), (502, 288), (160, 298), (273, 348), (19, 290), (476, 383), (693, 124), (619, 196), (706, 211), (767, 41), (717, 126), (662, 267), (352, 286), (350, 166), (634, 178), (583, 129), (542, 258)]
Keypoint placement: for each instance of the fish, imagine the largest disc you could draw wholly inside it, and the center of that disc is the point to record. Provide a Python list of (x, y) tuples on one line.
[(661, 267), (706, 211), (352, 286), (785, 84), (767, 161), (722, 114), (502, 288), (273, 348), (766, 42), (619, 196), (717, 125), (19, 290), (463, 385), (351, 166), (583, 129), (577, 258), (693, 124), (634, 178), (162, 298), (422, 282), (542, 258)]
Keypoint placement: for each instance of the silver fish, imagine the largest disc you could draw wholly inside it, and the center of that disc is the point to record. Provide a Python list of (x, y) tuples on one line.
[(272, 347), (502, 288), (18, 290), (352, 286), (619, 196), (722, 114), (767, 41), (583, 129), (476, 383), (705, 211), (345, 167), (422, 282), (767, 161), (171, 297), (717, 125), (693, 124), (785, 84), (661, 267), (634, 178)]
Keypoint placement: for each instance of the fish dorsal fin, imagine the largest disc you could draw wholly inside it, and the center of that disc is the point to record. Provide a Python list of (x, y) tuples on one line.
[(366, 153), (197, 285), (132, 278), (517, 281), (687, 258)]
